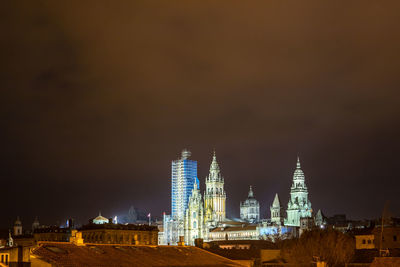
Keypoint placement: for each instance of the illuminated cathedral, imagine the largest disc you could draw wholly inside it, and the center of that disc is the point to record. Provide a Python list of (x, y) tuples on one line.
[(204, 215), (201, 216)]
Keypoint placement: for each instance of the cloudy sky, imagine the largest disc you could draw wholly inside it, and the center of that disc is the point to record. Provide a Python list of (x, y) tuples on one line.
[(97, 99)]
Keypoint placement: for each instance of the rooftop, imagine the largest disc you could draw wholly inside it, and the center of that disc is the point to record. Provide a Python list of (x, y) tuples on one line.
[(67, 254)]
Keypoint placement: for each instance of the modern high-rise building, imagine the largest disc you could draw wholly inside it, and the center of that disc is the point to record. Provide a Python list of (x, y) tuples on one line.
[(299, 205), (184, 176)]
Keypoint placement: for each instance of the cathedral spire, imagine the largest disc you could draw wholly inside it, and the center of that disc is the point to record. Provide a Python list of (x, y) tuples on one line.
[(214, 194), (214, 163), (251, 194), (276, 202), (299, 205), (215, 173)]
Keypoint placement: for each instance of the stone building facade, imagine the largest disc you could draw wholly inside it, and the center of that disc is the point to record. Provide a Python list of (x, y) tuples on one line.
[(120, 234), (194, 217)]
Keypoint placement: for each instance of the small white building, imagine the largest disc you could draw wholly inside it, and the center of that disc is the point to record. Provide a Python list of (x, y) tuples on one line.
[(100, 219), (244, 232)]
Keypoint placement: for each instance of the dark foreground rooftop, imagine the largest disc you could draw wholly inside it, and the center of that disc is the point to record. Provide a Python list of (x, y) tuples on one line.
[(68, 255)]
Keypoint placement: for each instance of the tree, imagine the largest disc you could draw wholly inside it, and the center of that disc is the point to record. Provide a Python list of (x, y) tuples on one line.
[(328, 245)]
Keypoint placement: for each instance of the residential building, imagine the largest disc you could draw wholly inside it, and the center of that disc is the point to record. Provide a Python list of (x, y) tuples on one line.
[(52, 233)]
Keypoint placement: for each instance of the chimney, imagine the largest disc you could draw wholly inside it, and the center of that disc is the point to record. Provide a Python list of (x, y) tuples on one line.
[(76, 238), (181, 241)]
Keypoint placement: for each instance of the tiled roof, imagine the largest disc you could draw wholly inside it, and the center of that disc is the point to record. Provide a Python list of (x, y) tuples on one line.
[(385, 261), (70, 255)]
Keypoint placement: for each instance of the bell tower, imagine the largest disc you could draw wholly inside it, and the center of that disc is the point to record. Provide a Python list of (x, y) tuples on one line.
[(18, 227), (215, 196), (299, 206)]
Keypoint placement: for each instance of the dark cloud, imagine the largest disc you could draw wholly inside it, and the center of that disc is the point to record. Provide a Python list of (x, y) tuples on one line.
[(98, 98)]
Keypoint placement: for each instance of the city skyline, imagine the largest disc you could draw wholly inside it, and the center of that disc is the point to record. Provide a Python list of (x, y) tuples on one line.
[(97, 101), (234, 212)]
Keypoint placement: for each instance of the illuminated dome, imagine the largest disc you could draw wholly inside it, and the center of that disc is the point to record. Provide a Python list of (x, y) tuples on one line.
[(298, 173), (100, 219)]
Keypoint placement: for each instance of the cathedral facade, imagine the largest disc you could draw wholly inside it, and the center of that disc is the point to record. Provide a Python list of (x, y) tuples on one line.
[(205, 214), (201, 214), (194, 217)]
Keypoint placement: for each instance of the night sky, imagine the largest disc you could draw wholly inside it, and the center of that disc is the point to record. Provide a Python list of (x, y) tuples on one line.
[(97, 99)]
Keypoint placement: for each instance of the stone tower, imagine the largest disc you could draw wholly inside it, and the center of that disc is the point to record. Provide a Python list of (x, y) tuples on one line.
[(250, 208), (298, 206), (35, 224), (215, 196), (277, 211), (17, 227)]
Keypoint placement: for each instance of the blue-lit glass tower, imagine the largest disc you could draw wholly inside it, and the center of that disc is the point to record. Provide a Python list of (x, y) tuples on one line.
[(184, 175)]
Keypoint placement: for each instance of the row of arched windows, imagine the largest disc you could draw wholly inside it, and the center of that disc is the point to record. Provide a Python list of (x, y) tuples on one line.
[(211, 191), (118, 238)]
